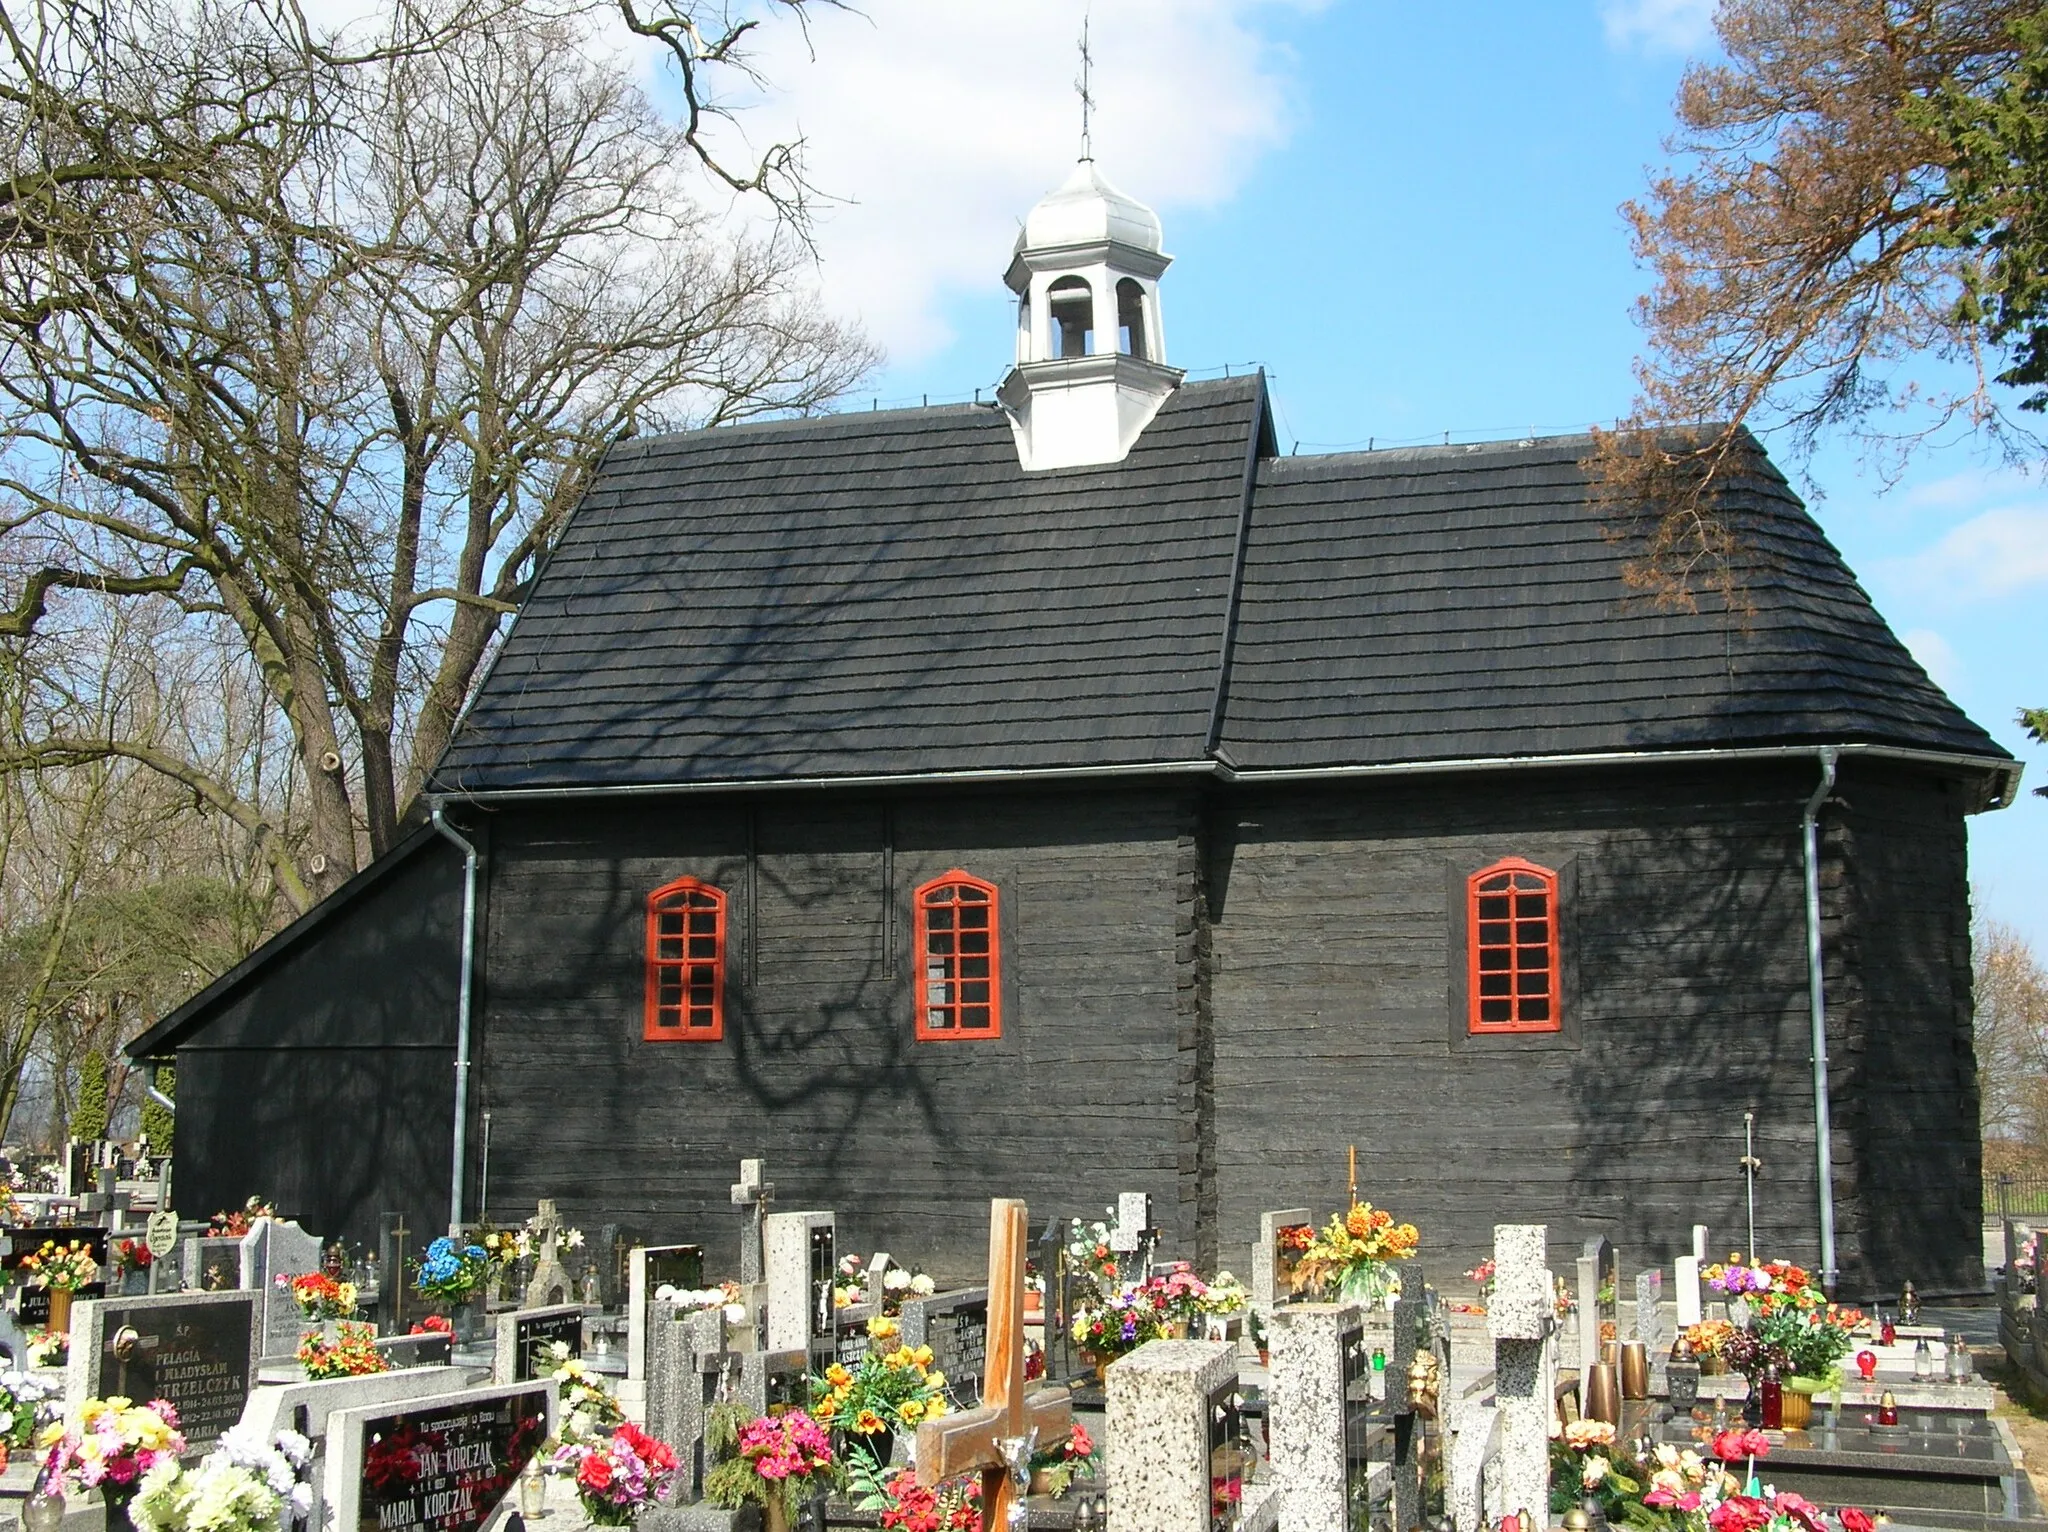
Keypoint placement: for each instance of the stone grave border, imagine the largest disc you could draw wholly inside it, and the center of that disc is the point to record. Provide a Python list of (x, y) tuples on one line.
[(345, 1430)]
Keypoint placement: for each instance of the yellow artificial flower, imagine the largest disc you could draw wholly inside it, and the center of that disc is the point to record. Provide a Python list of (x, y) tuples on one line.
[(910, 1412), (935, 1378), (923, 1356), (867, 1422), (826, 1409), (882, 1327), (838, 1376), (934, 1408)]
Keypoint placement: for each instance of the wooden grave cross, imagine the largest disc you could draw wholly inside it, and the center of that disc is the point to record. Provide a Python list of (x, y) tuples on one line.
[(966, 1443)]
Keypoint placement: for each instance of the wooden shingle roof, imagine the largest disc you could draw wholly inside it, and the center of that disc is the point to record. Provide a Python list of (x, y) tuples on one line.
[(889, 594)]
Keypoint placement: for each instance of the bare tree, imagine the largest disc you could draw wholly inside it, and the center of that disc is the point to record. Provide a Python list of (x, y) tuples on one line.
[(1806, 250), (2012, 1044), (333, 390)]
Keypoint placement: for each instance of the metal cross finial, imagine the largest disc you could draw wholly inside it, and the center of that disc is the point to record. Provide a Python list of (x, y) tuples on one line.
[(1081, 88)]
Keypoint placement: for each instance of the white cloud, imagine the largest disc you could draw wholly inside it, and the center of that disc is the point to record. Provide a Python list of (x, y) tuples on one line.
[(941, 123), (1937, 656), (1993, 554), (1658, 26)]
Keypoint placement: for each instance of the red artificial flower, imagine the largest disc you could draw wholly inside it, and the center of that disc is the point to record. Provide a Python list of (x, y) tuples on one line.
[(1800, 1510), (1079, 1445), (1854, 1520), (435, 1324), (1732, 1446), (595, 1472), (1739, 1513)]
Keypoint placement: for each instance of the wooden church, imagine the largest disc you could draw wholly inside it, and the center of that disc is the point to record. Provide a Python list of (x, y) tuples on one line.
[(1073, 795)]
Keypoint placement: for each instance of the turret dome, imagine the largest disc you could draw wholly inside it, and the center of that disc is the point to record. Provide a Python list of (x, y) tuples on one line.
[(1087, 210)]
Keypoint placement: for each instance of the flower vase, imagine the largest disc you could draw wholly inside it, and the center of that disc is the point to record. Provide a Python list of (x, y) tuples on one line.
[(467, 1320), (119, 1498), (60, 1310), (330, 1331), (1738, 1313), (774, 1516), (1366, 1284), (1795, 1409)]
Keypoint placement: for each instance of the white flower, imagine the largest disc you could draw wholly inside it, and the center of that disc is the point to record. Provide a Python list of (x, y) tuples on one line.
[(1594, 1474), (667, 1293), (735, 1313), (923, 1285), (573, 1239), (895, 1279)]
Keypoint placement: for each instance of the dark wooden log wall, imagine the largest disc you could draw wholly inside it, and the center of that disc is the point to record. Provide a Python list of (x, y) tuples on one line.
[(818, 1072), (1336, 996), (1902, 1053), (326, 1084)]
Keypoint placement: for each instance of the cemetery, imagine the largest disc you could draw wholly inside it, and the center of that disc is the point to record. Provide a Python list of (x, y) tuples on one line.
[(1045, 983), (754, 1373)]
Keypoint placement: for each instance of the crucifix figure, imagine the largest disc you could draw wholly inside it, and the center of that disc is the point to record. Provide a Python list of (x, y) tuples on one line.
[(974, 1440)]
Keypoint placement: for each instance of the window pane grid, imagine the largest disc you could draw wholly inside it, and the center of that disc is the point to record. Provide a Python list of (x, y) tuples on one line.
[(958, 959), (1513, 939), (685, 963)]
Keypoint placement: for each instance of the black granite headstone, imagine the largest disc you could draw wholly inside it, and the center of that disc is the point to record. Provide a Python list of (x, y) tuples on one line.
[(533, 1337), (196, 1355), (445, 1469)]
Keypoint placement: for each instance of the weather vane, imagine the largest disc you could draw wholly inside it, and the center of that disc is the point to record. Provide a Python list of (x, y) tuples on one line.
[(1081, 88)]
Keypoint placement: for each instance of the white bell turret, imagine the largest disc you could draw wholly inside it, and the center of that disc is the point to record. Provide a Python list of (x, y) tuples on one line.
[(1091, 355)]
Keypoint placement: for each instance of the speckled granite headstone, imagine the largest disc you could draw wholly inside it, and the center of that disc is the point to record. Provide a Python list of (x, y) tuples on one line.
[(1306, 1343), (1267, 1289), (1592, 1262), (1649, 1308), (1470, 1425), (1157, 1425), (1520, 1321)]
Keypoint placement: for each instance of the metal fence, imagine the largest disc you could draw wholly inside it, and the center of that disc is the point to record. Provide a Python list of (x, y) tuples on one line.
[(2016, 1196)]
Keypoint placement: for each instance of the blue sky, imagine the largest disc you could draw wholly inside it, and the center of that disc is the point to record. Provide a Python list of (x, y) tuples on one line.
[(1407, 214)]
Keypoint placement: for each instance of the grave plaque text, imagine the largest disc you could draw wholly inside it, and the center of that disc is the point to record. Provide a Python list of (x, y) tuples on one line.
[(534, 1337), (444, 1468), (194, 1355)]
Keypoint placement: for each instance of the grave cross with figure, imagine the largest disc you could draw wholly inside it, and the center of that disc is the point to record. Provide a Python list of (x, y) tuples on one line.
[(973, 1441)]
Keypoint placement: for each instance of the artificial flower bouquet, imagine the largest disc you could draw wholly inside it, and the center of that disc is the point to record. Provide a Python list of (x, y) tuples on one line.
[(61, 1268), (319, 1296), (246, 1484), (619, 1475), (885, 1391), (1226, 1296), (724, 1296), (771, 1458), (586, 1407), (49, 1348), (1353, 1257), (27, 1405), (450, 1273), (1180, 1297), (352, 1353), (1090, 1253), (849, 1286), (112, 1441), (1677, 1489), (1110, 1327), (129, 1255), (901, 1283), (1054, 1468), (905, 1504), (226, 1225)]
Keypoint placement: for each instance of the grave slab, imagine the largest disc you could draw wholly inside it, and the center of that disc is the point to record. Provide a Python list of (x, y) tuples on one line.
[(1271, 1267), (442, 1463), (1306, 1343), (1157, 1425), (198, 1350), (524, 1333)]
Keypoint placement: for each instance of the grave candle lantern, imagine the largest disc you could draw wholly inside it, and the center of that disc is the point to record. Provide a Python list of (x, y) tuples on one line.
[(1923, 1360), (1887, 1410), (1771, 1395), (1866, 1363)]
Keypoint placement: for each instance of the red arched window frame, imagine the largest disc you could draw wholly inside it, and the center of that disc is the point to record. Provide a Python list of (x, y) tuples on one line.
[(685, 963), (958, 969), (1511, 937)]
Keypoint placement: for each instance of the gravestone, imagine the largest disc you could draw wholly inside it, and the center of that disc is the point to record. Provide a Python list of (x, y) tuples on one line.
[(1649, 1308), (526, 1338), (955, 1326), (1687, 1272), (1317, 1478), (306, 1407), (801, 1258), (439, 1464), (1273, 1267), (1520, 1320), (198, 1350), (754, 1192), (1134, 1234), (1592, 1269), (550, 1284), (33, 1306), (648, 1269), (213, 1263), (1173, 1449), (277, 1248), (1699, 1243), (430, 1348)]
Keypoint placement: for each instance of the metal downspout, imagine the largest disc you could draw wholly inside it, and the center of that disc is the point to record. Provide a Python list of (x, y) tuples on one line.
[(462, 1006), (1823, 1147)]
